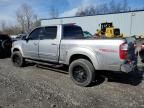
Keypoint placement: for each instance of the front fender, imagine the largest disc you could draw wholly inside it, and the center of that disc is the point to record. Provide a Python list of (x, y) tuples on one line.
[(18, 48), (91, 54)]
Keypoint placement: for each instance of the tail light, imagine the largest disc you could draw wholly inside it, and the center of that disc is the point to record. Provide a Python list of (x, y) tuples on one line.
[(123, 51), (142, 47)]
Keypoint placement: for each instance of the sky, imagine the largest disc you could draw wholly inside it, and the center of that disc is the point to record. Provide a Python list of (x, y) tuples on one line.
[(66, 8)]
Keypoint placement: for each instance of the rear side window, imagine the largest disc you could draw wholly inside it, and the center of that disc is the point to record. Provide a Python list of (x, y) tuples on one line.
[(49, 33), (72, 32)]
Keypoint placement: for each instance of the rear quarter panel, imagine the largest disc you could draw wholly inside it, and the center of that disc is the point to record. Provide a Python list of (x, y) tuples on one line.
[(104, 53)]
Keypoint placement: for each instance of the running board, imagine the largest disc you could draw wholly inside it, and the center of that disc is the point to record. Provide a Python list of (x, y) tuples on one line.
[(56, 65)]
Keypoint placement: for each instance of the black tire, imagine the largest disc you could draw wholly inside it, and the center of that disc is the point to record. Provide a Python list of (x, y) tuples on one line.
[(6, 44), (82, 72), (17, 59)]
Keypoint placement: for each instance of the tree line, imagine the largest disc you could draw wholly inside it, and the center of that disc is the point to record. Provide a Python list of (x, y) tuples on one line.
[(111, 7), (26, 20)]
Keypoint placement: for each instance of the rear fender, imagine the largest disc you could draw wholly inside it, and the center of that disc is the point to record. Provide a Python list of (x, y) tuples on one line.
[(91, 54)]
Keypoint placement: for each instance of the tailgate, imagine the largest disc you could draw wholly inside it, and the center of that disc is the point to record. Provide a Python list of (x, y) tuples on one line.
[(132, 56)]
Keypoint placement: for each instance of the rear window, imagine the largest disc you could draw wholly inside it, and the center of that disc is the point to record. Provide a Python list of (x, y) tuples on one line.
[(72, 32)]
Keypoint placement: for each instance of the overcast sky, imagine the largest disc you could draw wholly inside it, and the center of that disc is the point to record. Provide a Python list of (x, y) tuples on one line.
[(41, 7)]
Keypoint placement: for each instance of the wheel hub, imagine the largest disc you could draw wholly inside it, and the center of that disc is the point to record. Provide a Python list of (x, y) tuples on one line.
[(80, 74)]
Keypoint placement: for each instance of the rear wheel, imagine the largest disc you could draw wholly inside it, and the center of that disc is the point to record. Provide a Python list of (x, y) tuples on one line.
[(82, 72), (17, 59)]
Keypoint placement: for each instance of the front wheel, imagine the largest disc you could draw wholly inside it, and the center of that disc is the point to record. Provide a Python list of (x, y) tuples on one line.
[(17, 59), (82, 72)]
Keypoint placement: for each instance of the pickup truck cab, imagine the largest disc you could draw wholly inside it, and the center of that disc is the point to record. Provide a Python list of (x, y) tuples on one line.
[(66, 44)]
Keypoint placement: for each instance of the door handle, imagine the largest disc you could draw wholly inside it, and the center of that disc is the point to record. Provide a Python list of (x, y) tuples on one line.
[(53, 44), (35, 44)]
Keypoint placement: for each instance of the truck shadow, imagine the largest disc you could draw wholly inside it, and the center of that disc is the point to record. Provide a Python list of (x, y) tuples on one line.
[(133, 78)]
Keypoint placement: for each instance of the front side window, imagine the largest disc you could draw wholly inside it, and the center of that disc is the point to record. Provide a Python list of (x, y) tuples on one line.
[(72, 32), (35, 34), (49, 33)]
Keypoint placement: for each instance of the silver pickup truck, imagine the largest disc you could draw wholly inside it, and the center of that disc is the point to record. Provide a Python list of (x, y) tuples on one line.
[(67, 45)]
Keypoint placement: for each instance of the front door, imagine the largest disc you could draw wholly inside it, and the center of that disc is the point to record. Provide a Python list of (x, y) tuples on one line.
[(30, 46)]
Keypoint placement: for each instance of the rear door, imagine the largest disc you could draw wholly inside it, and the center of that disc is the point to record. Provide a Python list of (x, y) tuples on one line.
[(49, 44)]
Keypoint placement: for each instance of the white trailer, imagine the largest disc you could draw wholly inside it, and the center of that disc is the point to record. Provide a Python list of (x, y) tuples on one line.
[(130, 23)]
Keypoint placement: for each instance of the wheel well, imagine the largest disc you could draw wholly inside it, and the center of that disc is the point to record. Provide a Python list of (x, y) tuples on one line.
[(79, 56), (16, 49)]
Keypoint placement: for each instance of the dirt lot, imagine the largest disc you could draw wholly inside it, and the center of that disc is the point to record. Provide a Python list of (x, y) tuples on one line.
[(33, 87)]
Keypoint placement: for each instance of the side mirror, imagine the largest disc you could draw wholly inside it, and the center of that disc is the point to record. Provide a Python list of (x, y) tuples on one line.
[(27, 38), (24, 38)]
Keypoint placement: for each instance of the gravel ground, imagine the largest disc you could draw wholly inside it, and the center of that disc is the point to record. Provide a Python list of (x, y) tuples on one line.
[(44, 87), (35, 87)]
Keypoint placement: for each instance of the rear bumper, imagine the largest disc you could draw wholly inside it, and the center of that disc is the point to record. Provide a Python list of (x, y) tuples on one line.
[(128, 67)]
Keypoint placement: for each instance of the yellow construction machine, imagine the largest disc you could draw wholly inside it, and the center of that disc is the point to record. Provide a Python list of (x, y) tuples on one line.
[(108, 31)]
